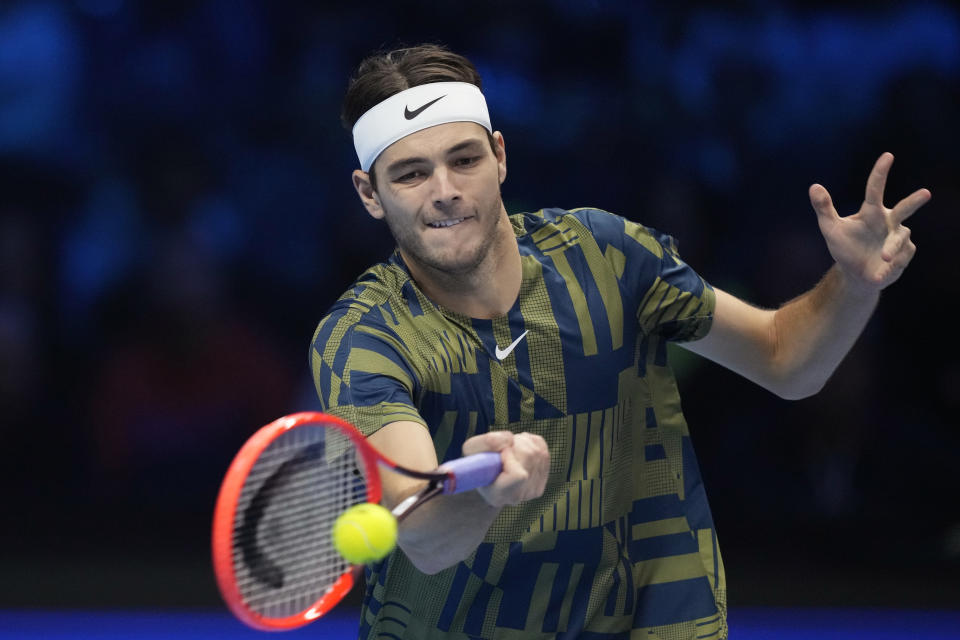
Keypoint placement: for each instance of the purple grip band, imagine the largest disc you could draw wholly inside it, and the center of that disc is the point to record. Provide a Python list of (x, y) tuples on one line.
[(471, 472)]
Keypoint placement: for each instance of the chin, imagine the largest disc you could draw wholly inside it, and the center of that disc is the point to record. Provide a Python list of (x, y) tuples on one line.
[(457, 263), (457, 266)]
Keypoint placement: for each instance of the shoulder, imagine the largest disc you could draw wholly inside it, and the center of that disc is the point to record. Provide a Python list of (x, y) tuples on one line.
[(367, 304), (589, 216), (543, 222), (605, 227)]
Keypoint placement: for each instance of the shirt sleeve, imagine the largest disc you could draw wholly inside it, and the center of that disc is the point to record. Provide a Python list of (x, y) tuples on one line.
[(671, 299), (361, 375)]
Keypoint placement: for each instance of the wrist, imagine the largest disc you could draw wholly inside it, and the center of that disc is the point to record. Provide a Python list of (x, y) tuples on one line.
[(854, 287), (492, 499)]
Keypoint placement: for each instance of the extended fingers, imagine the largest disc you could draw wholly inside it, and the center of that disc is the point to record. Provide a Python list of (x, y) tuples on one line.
[(878, 179), (909, 205)]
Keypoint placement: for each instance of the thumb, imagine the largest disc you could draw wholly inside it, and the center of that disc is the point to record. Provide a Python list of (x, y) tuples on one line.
[(823, 205), (511, 464)]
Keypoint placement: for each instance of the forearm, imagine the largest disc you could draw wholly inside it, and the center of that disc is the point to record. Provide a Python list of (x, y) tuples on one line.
[(814, 332), (445, 530), (794, 350), (791, 351)]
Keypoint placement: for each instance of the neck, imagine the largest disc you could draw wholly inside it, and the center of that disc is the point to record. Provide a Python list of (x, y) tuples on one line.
[(488, 291)]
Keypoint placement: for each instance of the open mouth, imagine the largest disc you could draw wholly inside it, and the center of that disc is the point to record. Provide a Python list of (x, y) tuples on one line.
[(445, 223)]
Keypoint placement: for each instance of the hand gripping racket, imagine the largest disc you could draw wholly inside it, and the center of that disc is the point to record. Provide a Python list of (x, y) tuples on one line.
[(272, 549)]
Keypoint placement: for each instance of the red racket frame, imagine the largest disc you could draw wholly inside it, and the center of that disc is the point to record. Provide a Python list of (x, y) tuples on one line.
[(225, 512)]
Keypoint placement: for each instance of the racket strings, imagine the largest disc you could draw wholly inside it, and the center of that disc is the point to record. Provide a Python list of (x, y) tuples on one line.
[(283, 555)]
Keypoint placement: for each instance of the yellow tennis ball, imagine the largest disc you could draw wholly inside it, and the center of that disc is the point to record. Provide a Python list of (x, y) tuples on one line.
[(364, 533)]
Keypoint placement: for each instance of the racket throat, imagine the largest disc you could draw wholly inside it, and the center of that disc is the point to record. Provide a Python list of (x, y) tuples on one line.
[(405, 506)]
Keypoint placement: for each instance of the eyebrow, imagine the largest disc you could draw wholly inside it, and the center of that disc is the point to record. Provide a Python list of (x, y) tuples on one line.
[(401, 164), (472, 142), (405, 162)]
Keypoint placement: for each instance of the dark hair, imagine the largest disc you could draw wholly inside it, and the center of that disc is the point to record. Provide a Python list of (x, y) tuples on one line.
[(386, 73)]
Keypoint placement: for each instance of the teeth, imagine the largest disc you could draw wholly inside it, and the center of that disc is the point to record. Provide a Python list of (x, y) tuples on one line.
[(446, 223)]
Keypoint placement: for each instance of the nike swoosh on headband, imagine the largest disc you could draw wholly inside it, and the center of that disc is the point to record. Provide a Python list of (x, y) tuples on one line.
[(503, 353), (410, 115)]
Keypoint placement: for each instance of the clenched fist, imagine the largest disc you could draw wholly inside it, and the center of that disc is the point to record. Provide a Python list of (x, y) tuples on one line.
[(526, 465)]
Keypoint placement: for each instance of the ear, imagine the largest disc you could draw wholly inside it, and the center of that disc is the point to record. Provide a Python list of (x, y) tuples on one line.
[(368, 195), (501, 151)]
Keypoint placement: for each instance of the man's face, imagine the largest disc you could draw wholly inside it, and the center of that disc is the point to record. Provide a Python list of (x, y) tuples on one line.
[(439, 191)]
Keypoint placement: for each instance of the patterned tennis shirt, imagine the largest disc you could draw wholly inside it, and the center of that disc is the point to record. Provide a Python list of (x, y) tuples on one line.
[(622, 542)]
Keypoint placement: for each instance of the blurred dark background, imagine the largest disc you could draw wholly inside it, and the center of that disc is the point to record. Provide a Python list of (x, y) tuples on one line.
[(176, 215)]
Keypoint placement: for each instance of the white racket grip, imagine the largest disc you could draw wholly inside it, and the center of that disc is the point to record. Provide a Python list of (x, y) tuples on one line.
[(470, 472)]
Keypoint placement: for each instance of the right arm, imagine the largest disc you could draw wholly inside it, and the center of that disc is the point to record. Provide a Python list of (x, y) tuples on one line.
[(448, 529)]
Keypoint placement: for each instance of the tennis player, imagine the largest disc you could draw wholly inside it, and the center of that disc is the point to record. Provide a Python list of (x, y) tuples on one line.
[(543, 336)]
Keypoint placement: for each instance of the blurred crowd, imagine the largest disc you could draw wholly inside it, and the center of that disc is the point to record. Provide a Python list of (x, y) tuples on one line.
[(176, 215)]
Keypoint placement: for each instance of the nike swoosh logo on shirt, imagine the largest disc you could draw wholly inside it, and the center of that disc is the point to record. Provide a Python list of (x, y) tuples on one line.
[(410, 115), (503, 353)]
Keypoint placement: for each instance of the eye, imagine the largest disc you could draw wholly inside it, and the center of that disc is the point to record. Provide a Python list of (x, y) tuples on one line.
[(467, 162), (409, 177)]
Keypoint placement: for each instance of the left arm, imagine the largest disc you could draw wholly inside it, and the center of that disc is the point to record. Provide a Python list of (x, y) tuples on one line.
[(792, 351)]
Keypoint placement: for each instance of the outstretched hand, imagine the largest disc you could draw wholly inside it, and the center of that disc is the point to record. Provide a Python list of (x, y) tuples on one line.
[(871, 247)]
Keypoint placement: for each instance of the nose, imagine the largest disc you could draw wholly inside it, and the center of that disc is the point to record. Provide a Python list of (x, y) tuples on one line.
[(446, 193)]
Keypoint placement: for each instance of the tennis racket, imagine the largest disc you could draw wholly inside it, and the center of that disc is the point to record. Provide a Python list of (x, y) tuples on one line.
[(272, 549)]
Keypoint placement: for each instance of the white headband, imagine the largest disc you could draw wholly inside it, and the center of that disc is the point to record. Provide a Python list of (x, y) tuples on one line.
[(413, 109)]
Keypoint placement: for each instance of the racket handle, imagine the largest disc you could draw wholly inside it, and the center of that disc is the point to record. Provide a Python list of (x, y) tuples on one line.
[(470, 472)]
